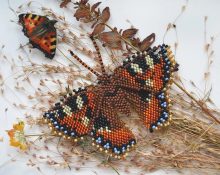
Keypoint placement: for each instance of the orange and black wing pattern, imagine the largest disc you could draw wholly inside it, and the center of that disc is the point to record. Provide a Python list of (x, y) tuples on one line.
[(71, 117), (153, 108), (110, 133), (145, 78), (75, 117), (151, 70), (41, 32)]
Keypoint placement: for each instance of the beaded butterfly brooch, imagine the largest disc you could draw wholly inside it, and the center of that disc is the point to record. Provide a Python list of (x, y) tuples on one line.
[(41, 32), (142, 82)]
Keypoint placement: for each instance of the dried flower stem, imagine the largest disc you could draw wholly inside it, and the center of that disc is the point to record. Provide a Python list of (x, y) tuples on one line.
[(206, 110), (39, 135)]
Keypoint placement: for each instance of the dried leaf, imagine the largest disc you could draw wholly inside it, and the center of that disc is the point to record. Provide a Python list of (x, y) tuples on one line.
[(147, 42), (98, 29), (95, 6), (105, 15), (111, 39), (135, 41), (83, 2), (82, 13), (64, 3), (129, 33), (92, 26)]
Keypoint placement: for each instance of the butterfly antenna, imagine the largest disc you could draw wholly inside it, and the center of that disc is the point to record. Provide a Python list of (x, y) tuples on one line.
[(99, 55), (83, 63)]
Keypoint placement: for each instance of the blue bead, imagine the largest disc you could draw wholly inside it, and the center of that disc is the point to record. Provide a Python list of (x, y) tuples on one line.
[(166, 79), (165, 114), (161, 119)]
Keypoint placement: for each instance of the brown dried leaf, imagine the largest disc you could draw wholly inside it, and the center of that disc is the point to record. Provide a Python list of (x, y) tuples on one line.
[(147, 42), (94, 6), (64, 3), (92, 26), (111, 39), (82, 13), (105, 15), (129, 33), (83, 2), (135, 41), (98, 29)]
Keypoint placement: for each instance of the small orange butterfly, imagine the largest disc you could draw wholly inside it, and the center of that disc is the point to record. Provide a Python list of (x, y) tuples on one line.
[(41, 32)]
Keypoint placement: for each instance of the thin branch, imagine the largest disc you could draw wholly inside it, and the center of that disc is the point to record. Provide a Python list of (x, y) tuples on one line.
[(207, 111)]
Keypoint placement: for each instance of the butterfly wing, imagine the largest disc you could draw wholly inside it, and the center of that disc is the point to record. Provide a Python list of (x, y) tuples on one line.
[(30, 22), (71, 117), (47, 41), (153, 108), (145, 79), (110, 134), (150, 70)]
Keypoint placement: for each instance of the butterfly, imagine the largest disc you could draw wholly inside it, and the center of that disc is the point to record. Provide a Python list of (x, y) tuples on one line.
[(142, 82), (41, 32)]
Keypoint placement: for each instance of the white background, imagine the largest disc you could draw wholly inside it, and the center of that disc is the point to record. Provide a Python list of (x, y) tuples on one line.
[(148, 16)]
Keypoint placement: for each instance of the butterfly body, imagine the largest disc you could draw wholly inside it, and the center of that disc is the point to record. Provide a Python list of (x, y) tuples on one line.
[(41, 32), (141, 82), (43, 28)]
